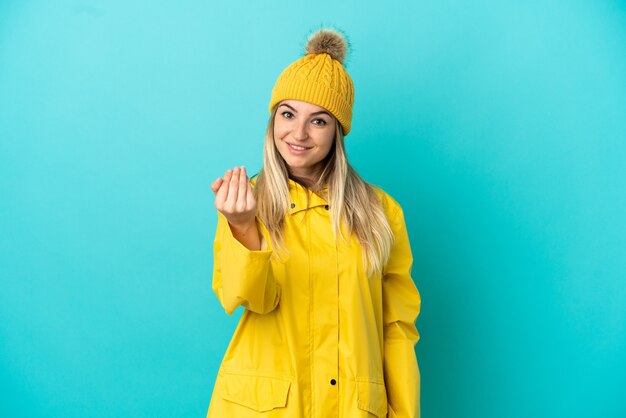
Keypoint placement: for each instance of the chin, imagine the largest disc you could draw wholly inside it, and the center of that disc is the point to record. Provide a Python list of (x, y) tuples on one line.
[(297, 165)]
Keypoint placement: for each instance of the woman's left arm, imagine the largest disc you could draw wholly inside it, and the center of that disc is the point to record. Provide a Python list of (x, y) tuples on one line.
[(401, 306)]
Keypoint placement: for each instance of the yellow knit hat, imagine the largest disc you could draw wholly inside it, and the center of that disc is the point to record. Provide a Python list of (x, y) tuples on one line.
[(319, 77)]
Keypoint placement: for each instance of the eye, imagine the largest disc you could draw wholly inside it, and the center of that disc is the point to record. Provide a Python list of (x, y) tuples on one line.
[(322, 122), (287, 114)]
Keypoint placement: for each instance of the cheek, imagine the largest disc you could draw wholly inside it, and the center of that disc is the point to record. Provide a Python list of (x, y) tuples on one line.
[(279, 142), (328, 140), (279, 131), (279, 145)]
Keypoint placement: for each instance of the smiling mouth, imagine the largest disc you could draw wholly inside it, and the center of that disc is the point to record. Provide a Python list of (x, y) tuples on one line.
[(298, 147)]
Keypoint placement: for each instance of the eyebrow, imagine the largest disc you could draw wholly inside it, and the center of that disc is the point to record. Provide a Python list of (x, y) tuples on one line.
[(314, 113)]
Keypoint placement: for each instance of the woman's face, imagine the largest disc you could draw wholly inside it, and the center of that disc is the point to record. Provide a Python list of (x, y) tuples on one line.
[(304, 134)]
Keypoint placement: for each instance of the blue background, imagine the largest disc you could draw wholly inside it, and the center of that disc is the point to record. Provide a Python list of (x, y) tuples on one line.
[(500, 126)]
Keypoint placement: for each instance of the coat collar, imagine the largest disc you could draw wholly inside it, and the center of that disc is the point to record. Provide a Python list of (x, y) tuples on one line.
[(298, 197), (299, 194)]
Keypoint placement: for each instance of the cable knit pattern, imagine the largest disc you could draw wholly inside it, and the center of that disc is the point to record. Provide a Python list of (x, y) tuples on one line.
[(321, 80)]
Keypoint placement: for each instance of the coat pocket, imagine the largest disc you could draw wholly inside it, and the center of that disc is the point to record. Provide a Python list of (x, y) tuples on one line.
[(372, 397), (261, 393)]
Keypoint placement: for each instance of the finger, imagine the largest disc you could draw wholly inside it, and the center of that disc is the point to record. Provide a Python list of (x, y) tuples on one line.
[(233, 189), (215, 186), (222, 193), (250, 197), (243, 189)]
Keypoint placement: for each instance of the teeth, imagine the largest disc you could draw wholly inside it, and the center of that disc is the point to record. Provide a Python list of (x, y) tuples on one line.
[(297, 147)]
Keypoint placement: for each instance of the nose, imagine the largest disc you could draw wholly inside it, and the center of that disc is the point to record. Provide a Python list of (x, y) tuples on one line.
[(300, 131)]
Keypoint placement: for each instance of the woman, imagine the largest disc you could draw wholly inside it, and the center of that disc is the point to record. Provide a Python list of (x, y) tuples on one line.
[(321, 262)]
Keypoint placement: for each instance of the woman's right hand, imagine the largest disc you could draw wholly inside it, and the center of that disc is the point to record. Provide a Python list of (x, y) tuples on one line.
[(234, 198)]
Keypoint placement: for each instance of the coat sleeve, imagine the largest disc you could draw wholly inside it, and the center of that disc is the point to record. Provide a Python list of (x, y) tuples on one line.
[(401, 306), (241, 276)]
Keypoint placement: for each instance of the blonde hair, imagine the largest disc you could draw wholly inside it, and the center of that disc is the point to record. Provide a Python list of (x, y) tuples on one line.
[(353, 202)]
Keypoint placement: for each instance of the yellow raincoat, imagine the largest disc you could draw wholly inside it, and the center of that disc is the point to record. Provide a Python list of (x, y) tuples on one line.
[(318, 338)]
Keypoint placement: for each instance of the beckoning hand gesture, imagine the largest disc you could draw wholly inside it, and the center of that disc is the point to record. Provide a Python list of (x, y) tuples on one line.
[(234, 199)]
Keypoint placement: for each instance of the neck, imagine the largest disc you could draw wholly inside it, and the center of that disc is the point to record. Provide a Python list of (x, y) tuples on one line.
[(306, 182), (307, 178)]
